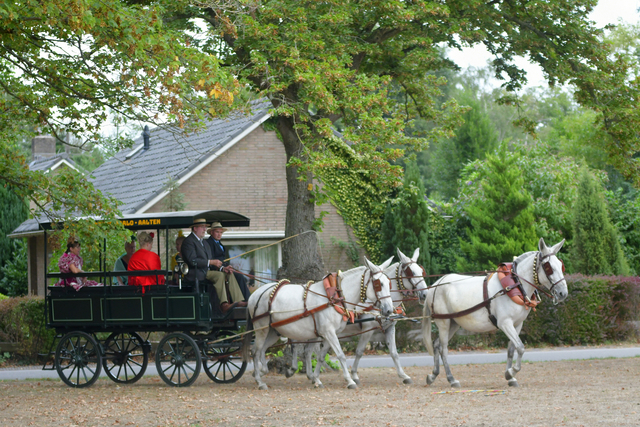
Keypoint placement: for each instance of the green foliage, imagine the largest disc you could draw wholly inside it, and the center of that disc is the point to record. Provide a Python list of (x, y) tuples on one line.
[(445, 233), (13, 211), (22, 321), (14, 272), (472, 141), (624, 213), (406, 221), (67, 64), (596, 248), (500, 214), (358, 198)]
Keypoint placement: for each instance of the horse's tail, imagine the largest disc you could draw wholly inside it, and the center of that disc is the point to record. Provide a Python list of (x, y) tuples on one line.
[(426, 328), (246, 341)]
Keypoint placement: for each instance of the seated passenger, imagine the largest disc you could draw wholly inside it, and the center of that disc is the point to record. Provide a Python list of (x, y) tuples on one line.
[(71, 262), (197, 254), (144, 259), (123, 261), (220, 254)]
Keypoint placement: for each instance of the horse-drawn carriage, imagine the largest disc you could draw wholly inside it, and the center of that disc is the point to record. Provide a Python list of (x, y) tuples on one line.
[(101, 327)]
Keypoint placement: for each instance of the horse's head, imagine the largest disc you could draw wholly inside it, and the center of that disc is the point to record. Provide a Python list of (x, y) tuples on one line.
[(379, 287), (413, 274), (551, 270)]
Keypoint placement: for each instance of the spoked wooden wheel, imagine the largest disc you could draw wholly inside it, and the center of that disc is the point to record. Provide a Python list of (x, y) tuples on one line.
[(178, 359), (223, 360), (125, 357), (78, 359)]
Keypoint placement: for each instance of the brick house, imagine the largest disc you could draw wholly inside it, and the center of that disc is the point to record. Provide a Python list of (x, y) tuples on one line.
[(234, 164)]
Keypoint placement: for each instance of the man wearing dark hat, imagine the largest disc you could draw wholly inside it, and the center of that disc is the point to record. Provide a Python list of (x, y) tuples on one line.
[(221, 255), (197, 254)]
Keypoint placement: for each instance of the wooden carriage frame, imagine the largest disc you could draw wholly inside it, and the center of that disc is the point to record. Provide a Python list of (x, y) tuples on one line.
[(100, 327)]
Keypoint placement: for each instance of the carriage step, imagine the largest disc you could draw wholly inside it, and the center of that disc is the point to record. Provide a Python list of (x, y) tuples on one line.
[(49, 358)]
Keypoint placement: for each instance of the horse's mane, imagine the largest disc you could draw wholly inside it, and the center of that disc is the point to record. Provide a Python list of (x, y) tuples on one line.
[(354, 271), (523, 256)]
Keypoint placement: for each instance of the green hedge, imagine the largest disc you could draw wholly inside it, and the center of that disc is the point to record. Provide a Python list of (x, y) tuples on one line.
[(22, 321)]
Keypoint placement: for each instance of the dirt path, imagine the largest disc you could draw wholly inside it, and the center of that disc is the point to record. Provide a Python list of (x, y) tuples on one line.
[(571, 393)]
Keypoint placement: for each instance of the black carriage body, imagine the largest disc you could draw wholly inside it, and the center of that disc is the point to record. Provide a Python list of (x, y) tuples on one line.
[(193, 323), (116, 308)]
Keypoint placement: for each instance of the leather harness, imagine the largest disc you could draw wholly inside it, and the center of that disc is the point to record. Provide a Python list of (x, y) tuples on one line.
[(334, 296), (511, 286)]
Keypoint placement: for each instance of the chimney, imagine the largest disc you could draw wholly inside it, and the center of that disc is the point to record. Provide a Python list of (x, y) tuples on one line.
[(43, 147), (145, 136)]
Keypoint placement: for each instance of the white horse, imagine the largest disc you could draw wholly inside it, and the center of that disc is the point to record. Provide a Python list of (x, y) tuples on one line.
[(405, 276), (287, 313), (457, 301)]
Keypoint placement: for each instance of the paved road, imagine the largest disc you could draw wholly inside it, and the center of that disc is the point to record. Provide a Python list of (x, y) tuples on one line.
[(413, 359)]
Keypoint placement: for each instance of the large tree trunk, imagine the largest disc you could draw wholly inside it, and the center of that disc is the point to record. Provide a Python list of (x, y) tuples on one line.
[(300, 259)]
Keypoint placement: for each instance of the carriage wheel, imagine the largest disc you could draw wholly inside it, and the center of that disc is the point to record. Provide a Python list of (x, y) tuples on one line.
[(125, 357), (178, 359), (223, 361), (78, 360)]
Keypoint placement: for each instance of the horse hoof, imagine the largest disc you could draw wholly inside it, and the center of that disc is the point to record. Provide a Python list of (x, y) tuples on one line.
[(289, 374), (430, 379), (507, 375), (263, 387), (352, 386), (357, 381), (513, 383), (407, 381), (455, 384)]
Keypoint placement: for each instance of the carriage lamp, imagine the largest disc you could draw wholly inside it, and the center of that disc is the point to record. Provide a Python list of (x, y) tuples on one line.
[(181, 269)]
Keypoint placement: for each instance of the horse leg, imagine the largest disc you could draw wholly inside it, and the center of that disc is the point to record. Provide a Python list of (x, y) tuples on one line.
[(515, 344), (363, 340), (436, 362), (446, 334), (260, 346), (390, 334), (332, 339), (293, 367), (314, 374)]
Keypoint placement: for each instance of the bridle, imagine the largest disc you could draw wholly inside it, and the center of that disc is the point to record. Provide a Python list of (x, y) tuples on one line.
[(407, 273), (545, 263), (377, 287)]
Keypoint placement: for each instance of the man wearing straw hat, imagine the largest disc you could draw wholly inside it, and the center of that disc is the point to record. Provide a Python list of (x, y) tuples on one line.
[(197, 254), (221, 256)]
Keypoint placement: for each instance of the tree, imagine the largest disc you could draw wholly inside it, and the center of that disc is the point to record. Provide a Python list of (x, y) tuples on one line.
[(472, 141), (406, 220), (596, 249), (501, 217), (66, 64), (368, 67), (14, 281), (13, 211)]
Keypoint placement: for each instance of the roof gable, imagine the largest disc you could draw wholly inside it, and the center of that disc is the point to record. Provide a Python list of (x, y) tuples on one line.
[(137, 177)]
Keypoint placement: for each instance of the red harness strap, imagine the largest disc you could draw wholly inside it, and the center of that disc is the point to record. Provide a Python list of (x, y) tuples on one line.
[(513, 290)]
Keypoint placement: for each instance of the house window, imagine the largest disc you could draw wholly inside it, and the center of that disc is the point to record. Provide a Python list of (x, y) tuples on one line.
[(262, 263)]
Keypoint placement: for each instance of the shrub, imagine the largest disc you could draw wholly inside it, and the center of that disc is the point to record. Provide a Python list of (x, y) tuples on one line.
[(22, 321)]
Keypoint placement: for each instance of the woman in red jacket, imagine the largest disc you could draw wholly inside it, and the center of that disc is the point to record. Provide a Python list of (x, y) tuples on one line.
[(144, 259)]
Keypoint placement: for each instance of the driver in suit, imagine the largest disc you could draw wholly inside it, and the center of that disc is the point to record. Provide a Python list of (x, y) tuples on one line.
[(197, 255), (220, 255)]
